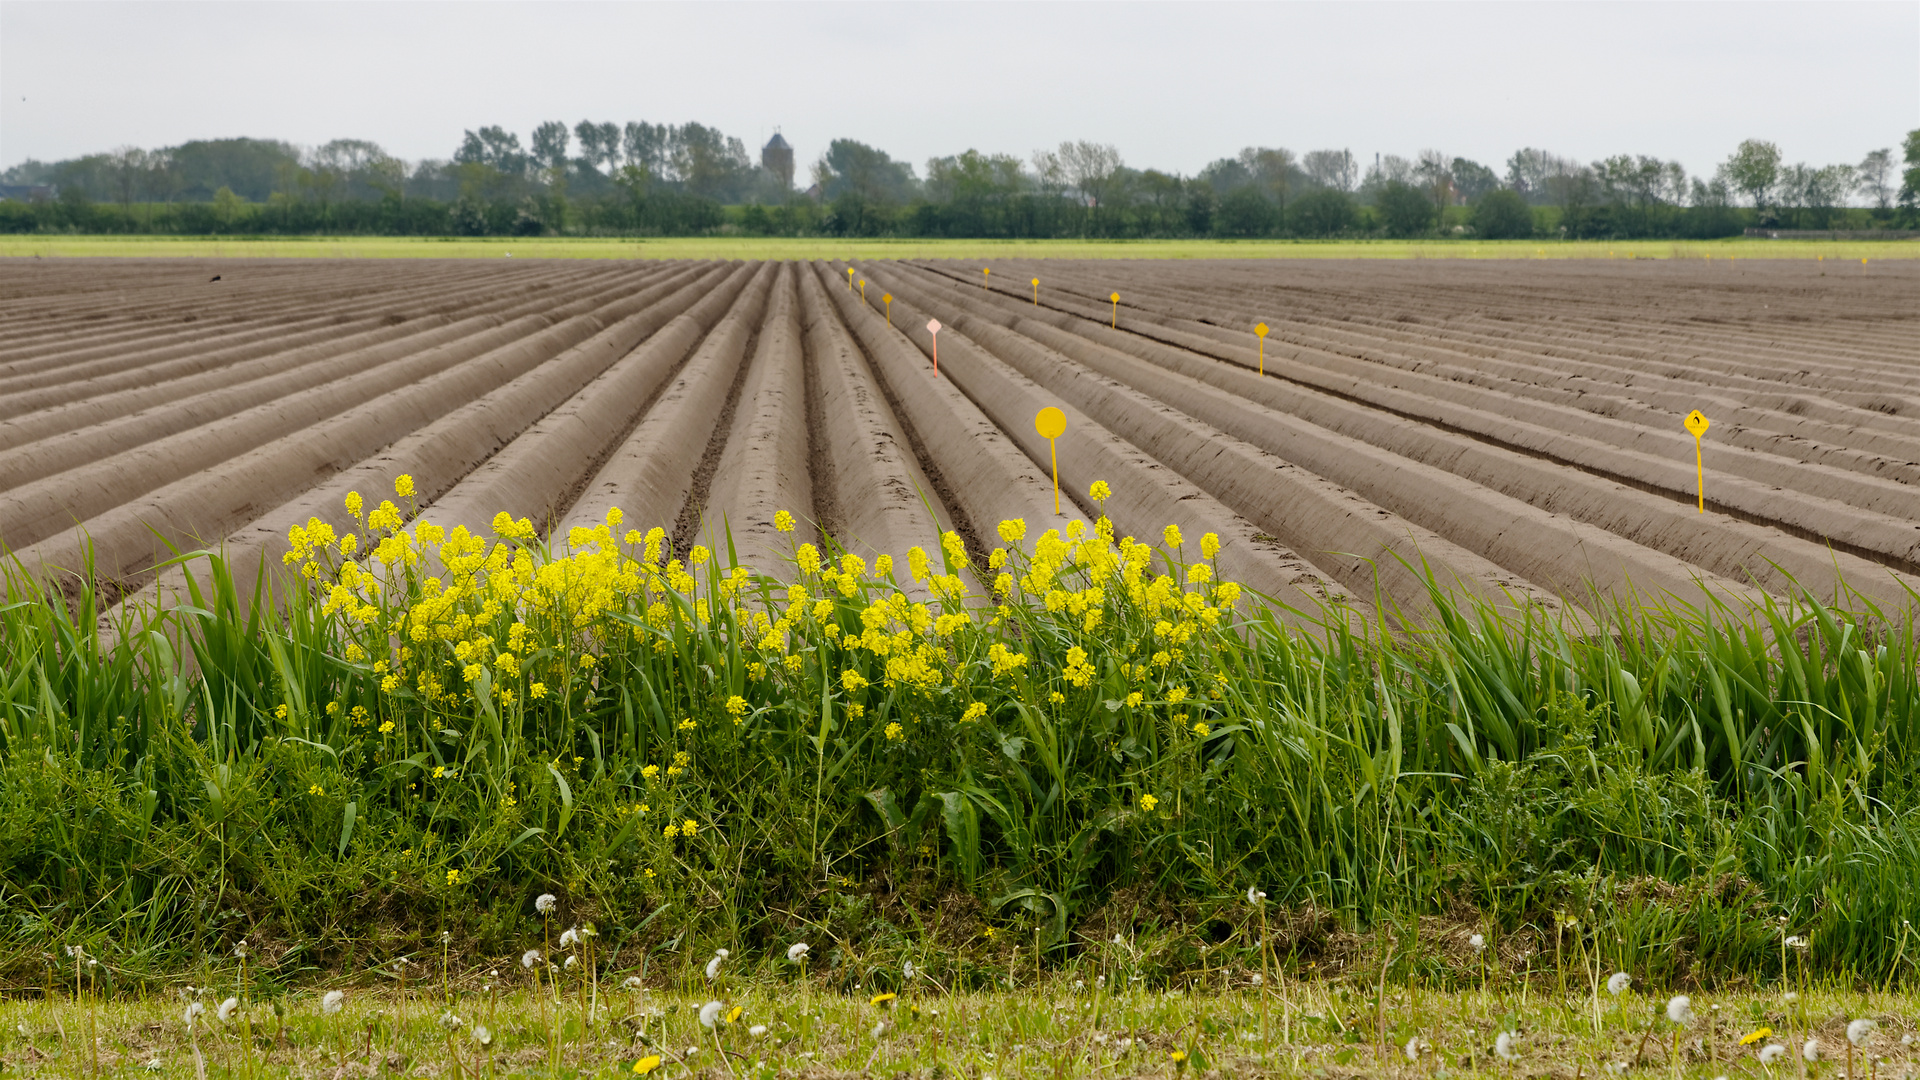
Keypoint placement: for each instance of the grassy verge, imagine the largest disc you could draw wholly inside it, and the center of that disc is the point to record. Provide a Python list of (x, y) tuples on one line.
[(1076, 1026), (985, 765), (829, 248)]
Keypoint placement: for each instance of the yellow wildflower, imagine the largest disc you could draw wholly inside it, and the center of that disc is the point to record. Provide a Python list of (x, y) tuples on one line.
[(649, 1063), (403, 485), (1148, 802), (1099, 492), (783, 521), (1171, 534), (895, 733)]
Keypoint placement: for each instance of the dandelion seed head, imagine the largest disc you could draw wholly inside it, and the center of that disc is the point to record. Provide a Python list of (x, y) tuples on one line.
[(1503, 1046), (333, 1002), (1680, 1010), (1413, 1048), (710, 1014), (1860, 1031), (713, 967), (1478, 941), (571, 961), (1771, 1053), (545, 902), (797, 952), (195, 1011), (631, 982), (529, 958), (1618, 982), (1254, 896), (228, 1008), (1811, 1051), (481, 1035)]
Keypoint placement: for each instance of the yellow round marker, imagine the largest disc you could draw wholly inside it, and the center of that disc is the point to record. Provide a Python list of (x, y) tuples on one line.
[(1697, 424), (1036, 292), (863, 291), (1116, 310), (887, 299), (1261, 330), (986, 277), (1051, 423), (849, 279)]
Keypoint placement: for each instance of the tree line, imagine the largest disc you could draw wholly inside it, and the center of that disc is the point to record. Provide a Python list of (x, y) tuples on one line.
[(643, 179)]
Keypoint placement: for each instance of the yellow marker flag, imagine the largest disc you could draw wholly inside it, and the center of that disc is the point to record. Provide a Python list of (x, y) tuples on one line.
[(1697, 424), (1261, 330), (1051, 423), (887, 299), (1116, 310), (1036, 292)]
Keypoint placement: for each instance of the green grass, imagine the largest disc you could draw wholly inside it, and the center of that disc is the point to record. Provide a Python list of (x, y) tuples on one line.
[(828, 248), (1074, 1025), (430, 729)]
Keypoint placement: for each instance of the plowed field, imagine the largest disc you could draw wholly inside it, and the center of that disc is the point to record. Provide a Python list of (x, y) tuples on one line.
[(1515, 427)]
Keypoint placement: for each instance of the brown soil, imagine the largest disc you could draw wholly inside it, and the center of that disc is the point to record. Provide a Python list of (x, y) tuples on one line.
[(1513, 426)]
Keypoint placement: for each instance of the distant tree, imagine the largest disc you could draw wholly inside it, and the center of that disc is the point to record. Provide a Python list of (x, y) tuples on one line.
[(710, 164), (1332, 169), (128, 163), (226, 205), (494, 147), (599, 144), (1405, 210), (1435, 173), (1910, 177), (1503, 214), (1384, 170), (1753, 170), (550, 146), (1640, 191), (644, 146), (1245, 212), (1875, 173), (1089, 168), (1326, 211), (1472, 179)]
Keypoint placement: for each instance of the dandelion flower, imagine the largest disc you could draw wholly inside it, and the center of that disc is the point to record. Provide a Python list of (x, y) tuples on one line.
[(757, 1030), (881, 999), (797, 952), (1811, 1051), (1618, 982), (1503, 1046), (1478, 941), (1254, 896), (646, 1065), (1771, 1053), (228, 1008), (1680, 1010), (710, 1014), (1859, 1031), (333, 1002), (529, 958), (1755, 1036), (544, 904)]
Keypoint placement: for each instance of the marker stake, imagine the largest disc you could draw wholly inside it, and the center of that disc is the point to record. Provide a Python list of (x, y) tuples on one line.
[(887, 299), (933, 331), (986, 278), (1116, 310), (1697, 425), (1036, 292), (1261, 331), (849, 279), (1051, 423), (863, 291)]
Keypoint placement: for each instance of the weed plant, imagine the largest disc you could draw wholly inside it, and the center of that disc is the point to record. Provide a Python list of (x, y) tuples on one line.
[(1079, 746)]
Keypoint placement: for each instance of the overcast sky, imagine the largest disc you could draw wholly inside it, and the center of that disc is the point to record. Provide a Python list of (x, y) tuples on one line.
[(1173, 85)]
